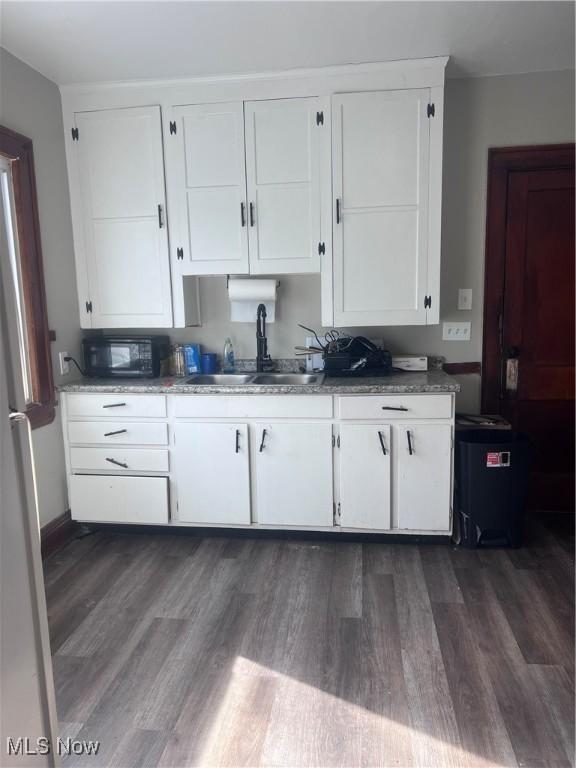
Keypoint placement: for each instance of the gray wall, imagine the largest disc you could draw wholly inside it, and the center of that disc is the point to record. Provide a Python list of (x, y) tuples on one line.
[(479, 113), (30, 104)]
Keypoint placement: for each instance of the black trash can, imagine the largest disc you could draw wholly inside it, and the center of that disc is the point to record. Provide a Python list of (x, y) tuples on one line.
[(491, 482)]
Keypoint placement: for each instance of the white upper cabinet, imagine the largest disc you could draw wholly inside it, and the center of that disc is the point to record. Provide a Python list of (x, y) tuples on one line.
[(119, 218), (381, 163), (283, 178), (208, 181)]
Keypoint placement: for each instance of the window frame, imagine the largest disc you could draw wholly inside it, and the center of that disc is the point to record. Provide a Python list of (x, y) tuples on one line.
[(18, 149)]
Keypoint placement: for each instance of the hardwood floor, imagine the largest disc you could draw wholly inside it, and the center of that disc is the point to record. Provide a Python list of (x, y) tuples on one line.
[(182, 651)]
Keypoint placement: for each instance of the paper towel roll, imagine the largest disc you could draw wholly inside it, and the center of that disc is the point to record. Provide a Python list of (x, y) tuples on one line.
[(245, 296)]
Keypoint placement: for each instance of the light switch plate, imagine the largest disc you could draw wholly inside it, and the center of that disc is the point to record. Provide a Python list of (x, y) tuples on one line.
[(464, 298), (456, 331)]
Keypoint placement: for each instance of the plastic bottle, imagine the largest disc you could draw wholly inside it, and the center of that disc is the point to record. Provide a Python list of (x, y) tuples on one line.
[(228, 357)]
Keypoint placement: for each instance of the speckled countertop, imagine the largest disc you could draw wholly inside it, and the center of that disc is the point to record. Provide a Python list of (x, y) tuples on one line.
[(434, 381)]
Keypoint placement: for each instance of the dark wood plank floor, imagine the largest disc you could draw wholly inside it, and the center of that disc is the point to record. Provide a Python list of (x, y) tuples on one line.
[(183, 651)]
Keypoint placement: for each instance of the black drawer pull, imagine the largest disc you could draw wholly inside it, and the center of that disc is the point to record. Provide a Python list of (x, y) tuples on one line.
[(243, 214), (116, 432), (160, 222), (237, 440), (113, 405), (410, 446), (394, 408), (382, 444), (338, 217), (251, 214), (119, 463), (263, 438)]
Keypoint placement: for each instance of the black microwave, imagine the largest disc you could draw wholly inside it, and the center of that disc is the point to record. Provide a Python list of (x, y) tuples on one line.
[(126, 356)]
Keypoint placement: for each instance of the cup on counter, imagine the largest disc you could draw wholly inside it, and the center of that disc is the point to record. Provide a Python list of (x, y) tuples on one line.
[(209, 362)]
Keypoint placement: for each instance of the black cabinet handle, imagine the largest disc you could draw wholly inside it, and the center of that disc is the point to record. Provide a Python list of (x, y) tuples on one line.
[(243, 213), (113, 405), (394, 408), (337, 210), (263, 438), (237, 440), (410, 447), (382, 444), (160, 222), (119, 463), (116, 432), (251, 214)]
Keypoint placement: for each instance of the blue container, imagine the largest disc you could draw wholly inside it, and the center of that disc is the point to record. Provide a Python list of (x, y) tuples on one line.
[(192, 358), (209, 362)]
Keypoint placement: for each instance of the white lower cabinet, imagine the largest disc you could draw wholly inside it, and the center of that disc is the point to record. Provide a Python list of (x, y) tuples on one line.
[(119, 499), (423, 455), (365, 458), (212, 474), (293, 473)]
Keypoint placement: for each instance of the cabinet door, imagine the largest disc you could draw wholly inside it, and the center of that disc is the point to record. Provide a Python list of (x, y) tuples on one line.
[(212, 473), (380, 176), (365, 476), (293, 465), (122, 219), (112, 499), (423, 471), (282, 166), (208, 181)]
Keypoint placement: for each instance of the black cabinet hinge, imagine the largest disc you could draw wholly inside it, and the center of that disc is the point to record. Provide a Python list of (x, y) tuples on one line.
[(319, 118), (180, 253), (431, 110), (172, 126), (427, 302), (89, 306), (321, 249), (74, 132)]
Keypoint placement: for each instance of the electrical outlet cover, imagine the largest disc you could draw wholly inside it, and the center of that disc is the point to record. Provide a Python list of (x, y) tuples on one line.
[(64, 364), (464, 298)]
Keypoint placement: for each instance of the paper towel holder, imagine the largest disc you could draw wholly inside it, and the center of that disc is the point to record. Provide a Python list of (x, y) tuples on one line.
[(228, 281)]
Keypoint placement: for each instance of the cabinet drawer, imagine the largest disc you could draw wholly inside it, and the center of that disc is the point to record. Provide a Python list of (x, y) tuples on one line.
[(114, 499), (120, 459), (253, 406), (114, 432), (392, 407), (115, 405)]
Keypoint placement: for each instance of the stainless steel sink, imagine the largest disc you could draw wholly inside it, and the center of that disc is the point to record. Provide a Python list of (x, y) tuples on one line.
[(221, 378), (288, 378)]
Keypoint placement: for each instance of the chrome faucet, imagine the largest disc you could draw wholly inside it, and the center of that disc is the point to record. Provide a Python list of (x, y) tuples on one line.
[(262, 356)]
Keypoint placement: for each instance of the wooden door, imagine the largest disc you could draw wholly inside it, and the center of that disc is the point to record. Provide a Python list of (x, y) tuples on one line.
[(212, 473), (121, 222), (422, 454), (380, 174), (207, 180), (365, 476), (529, 377), (293, 466), (282, 162)]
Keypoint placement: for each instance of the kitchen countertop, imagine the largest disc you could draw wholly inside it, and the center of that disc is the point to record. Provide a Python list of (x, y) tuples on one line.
[(433, 381)]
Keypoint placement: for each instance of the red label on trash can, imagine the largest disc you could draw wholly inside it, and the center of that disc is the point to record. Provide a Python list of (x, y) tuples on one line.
[(497, 459)]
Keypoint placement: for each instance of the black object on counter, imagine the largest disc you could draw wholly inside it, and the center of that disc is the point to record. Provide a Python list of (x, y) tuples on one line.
[(356, 356), (492, 467)]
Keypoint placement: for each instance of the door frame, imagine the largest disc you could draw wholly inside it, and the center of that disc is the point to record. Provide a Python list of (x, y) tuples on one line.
[(501, 163)]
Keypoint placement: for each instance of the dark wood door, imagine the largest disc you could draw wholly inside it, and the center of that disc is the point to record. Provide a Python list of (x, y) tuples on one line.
[(536, 339)]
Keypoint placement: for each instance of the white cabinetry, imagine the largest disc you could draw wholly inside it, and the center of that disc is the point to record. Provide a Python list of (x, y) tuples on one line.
[(212, 473), (113, 499), (283, 177), (383, 273), (119, 219), (423, 475), (244, 181), (365, 458), (208, 176), (293, 474)]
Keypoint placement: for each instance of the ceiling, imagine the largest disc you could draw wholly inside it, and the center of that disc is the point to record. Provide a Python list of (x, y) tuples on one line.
[(75, 42)]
